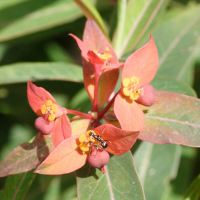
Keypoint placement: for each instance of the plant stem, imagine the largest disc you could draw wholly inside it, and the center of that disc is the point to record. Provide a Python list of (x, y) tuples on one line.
[(101, 113), (84, 115), (95, 102)]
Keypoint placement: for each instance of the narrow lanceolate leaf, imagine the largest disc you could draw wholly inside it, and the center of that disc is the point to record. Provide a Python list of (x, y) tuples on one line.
[(176, 45), (155, 177), (22, 72), (193, 192), (17, 185), (139, 17), (91, 12), (121, 19), (119, 182), (175, 119), (36, 16), (27, 156)]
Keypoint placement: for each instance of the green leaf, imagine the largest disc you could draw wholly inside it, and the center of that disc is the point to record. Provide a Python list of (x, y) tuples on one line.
[(139, 16), (174, 119), (176, 40), (35, 16), (193, 192), (172, 85), (56, 53), (17, 185), (53, 190), (91, 12), (121, 17), (119, 182), (156, 166), (180, 184), (22, 72)]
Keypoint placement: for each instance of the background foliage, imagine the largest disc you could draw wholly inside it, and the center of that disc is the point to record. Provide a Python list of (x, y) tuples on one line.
[(35, 45)]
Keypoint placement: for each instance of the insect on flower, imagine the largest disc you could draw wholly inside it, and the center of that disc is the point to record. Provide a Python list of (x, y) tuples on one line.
[(79, 147), (97, 137)]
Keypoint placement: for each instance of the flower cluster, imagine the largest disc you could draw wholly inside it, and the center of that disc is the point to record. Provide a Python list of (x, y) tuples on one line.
[(92, 141)]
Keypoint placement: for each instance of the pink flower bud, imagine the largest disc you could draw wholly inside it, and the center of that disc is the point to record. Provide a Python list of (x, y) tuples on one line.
[(44, 126), (147, 96), (99, 159)]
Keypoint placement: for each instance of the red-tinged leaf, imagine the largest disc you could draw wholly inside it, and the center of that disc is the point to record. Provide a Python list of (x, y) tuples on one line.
[(96, 41), (83, 47), (143, 63), (27, 156), (37, 96), (66, 158), (62, 130), (119, 141), (129, 114), (175, 119), (80, 126)]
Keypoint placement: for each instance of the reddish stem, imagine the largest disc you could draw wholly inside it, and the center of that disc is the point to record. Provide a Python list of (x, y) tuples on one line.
[(95, 102), (84, 115), (101, 113)]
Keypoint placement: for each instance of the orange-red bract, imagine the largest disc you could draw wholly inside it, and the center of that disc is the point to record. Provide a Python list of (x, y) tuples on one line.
[(67, 157), (62, 130), (94, 40), (119, 141), (37, 96), (142, 64)]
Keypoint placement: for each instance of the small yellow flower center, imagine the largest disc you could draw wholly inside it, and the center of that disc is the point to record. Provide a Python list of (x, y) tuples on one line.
[(104, 56), (49, 108), (130, 88), (86, 140)]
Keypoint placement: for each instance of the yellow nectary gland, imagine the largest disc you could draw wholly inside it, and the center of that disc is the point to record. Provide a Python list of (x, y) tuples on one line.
[(84, 146), (86, 141), (129, 87), (104, 56), (49, 108), (82, 138)]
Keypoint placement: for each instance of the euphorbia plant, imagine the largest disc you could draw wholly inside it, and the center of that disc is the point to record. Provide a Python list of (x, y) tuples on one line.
[(100, 76), (84, 137)]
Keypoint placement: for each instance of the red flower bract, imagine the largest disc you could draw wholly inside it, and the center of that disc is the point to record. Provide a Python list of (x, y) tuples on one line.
[(44, 105), (73, 152), (99, 64), (139, 69)]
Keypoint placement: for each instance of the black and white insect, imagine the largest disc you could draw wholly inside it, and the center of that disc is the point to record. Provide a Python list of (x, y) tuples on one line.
[(99, 139)]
